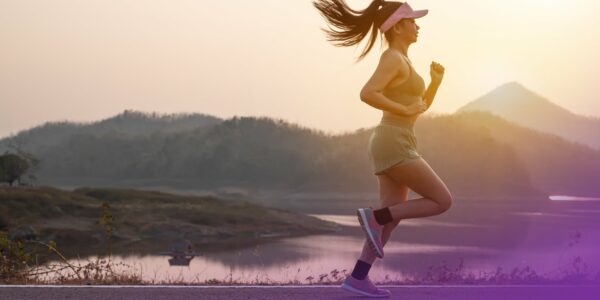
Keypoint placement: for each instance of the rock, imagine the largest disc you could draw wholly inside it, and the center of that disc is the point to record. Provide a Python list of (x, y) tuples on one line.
[(23, 233)]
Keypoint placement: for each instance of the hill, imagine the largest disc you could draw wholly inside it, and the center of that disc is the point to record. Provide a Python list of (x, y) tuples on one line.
[(556, 165), (263, 153), (128, 123), (518, 104), (145, 222)]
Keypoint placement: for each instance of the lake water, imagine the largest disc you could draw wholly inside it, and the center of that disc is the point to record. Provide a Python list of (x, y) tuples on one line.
[(543, 234)]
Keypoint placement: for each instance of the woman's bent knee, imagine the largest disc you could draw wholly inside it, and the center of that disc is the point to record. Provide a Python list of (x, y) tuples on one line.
[(445, 206), (445, 203)]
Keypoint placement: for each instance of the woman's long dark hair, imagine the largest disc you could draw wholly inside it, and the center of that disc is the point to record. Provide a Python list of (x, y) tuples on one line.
[(354, 25)]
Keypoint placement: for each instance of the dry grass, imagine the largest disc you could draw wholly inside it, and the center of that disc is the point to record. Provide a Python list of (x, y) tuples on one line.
[(104, 271)]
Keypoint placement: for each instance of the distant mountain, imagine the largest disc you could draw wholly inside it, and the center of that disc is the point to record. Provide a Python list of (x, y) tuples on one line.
[(272, 154), (476, 153), (127, 123), (516, 103)]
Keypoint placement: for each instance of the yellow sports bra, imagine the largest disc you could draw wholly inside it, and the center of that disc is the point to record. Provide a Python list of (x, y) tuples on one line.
[(408, 92)]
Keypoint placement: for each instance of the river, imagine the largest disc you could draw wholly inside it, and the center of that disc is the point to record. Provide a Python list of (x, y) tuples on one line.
[(551, 236)]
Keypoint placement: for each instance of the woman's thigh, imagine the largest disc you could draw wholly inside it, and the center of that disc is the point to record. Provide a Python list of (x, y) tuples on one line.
[(422, 179)]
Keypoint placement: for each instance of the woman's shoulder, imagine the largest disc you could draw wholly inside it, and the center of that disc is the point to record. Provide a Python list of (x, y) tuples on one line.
[(393, 61), (392, 54), (395, 58)]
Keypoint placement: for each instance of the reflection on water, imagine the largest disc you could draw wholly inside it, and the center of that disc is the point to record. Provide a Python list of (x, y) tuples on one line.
[(572, 198), (505, 234), (585, 211), (541, 214), (288, 260), (351, 220)]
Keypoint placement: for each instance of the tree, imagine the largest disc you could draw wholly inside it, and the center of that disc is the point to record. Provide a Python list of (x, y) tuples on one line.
[(12, 168), (16, 147)]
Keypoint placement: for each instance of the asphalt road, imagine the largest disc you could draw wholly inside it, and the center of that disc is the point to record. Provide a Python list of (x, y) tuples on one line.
[(32, 292)]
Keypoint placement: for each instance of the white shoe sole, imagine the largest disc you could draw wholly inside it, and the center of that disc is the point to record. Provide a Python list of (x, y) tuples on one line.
[(354, 290), (362, 218)]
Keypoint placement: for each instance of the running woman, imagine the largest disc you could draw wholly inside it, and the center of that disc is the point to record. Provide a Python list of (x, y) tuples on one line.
[(399, 92)]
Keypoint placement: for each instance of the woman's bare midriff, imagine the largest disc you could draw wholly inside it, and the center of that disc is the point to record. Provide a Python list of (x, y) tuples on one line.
[(411, 119)]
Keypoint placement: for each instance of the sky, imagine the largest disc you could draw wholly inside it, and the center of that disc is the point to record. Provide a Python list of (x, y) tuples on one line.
[(83, 60)]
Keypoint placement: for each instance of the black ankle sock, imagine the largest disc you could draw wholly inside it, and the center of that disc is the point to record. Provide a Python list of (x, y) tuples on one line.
[(383, 216), (361, 269)]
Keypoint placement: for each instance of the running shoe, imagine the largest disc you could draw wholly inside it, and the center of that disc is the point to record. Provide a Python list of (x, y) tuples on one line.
[(364, 287), (372, 229)]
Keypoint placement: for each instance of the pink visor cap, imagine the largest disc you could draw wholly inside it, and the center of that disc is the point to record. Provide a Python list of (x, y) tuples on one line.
[(403, 12)]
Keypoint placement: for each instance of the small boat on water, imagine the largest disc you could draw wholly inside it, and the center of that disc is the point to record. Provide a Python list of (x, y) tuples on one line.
[(180, 260), (181, 254)]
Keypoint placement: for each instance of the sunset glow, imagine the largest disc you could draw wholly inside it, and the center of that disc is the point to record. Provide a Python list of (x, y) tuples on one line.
[(86, 60)]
